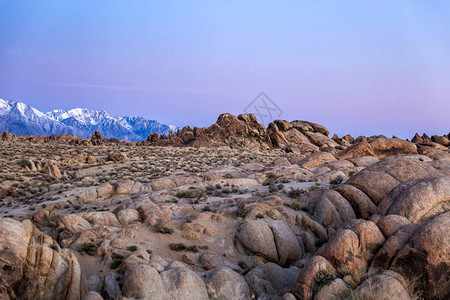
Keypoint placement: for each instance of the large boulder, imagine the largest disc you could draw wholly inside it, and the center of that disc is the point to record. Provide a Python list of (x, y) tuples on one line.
[(352, 247), (320, 139), (316, 159), (308, 282), (420, 200), (97, 138), (276, 136), (223, 283), (52, 169), (348, 252), (379, 148), (143, 282), (332, 210), (443, 140), (305, 126), (360, 202), (256, 236), (182, 283), (33, 266), (6, 136), (388, 285), (270, 280), (426, 257), (289, 249), (375, 184)]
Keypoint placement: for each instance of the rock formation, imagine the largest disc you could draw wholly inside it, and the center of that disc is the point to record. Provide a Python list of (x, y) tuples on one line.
[(231, 211)]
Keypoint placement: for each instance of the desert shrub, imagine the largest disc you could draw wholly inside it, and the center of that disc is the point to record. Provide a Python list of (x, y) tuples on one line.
[(191, 193), (295, 192), (88, 248), (207, 208), (296, 206), (210, 189), (227, 190), (117, 260), (132, 248), (324, 277), (218, 193), (165, 230), (337, 180), (273, 188), (182, 247)]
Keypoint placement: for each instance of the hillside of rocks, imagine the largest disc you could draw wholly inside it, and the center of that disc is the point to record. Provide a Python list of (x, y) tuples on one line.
[(231, 211), (245, 131)]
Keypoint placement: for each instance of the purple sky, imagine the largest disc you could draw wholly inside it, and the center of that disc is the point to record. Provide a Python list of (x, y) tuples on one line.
[(362, 68)]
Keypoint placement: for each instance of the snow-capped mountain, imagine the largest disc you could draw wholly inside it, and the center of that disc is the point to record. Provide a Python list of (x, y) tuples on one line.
[(23, 119), (20, 118)]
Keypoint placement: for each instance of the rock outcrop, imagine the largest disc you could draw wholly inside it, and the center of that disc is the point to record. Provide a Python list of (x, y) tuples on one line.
[(33, 266)]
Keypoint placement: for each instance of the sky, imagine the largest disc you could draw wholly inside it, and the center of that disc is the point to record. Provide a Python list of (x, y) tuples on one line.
[(358, 67)]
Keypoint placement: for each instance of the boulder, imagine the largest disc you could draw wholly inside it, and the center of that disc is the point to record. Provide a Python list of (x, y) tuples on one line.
[(97, 138), (379, 148), (336, 289), (276, 136), (316, 159), (116, 157), (52, 169), (443, 140), (32, 266), (320, 139), (389, 147), (429, 250), (102, 218), (256, 236), (390, 224), (283, 125), (363, 161), (417, 139), (223, 283), (71, 224), (422, 199), (288, 247), (128, 216), (143, 282), (333, 210), (6, 136), (352, 247), (308, 282), (270, 280), (388, 285), (360, 202), (181, 283), (374, 184)]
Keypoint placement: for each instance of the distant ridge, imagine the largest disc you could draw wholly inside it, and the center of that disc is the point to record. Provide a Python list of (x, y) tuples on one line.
[(22, 119)]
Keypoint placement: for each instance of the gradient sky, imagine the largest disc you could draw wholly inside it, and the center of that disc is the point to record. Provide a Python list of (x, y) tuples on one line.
[(359, 67)]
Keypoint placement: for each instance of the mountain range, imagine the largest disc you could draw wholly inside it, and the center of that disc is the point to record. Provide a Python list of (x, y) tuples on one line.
[(22, 119)]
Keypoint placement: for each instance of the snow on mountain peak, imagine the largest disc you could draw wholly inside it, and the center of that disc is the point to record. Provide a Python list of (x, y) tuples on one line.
[(4, 106), (82, 115), (20, 118)]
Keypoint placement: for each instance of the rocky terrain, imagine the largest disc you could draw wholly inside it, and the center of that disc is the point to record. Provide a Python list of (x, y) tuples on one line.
[(230, 211)]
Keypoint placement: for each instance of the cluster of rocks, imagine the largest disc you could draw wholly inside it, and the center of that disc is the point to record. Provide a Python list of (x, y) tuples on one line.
[(245, 131), (338, 218)]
